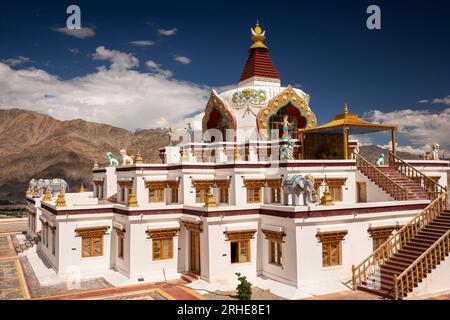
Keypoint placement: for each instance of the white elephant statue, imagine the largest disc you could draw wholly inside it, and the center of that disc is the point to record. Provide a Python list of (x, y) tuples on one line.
[(297, 185), (55, 185)]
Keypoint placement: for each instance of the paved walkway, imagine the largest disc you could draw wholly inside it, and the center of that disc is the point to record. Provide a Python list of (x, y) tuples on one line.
[(172, 290)]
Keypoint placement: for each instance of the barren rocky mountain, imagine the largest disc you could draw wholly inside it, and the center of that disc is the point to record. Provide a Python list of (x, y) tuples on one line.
[(34, 145)]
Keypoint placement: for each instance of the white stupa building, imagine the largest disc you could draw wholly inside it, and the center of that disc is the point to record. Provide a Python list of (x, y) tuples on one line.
[(233, 203)]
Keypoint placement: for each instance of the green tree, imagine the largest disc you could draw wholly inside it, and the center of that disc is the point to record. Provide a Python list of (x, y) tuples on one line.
[(244, 288)]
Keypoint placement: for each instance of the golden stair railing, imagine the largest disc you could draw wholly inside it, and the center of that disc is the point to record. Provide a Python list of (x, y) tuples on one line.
[(431, 187), (423, 265), (397, 241), (380, 178)]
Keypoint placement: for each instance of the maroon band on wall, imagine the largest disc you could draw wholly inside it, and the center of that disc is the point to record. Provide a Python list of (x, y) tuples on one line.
[(269, 212)]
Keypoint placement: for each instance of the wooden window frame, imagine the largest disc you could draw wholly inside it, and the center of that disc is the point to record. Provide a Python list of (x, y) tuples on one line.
[(248, 255), (275, 258), (161, 249), (174, 193), (224, 195), (326, 247), (120, 246), (275, 192), (156, 195), (200, 195), (254, 195), (327, 239), (92, 251), (53, 240), (46, 235), (339, 190)]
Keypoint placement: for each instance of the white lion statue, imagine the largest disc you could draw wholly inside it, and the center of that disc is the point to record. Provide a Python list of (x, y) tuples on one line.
[(434, 154), (126, 159)]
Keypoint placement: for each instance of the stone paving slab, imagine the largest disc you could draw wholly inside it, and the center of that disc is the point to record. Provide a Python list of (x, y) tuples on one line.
[(10, 286), (36, 290)]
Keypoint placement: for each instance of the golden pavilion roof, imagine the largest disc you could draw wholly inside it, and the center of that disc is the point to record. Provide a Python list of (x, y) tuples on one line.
[(351, 121)]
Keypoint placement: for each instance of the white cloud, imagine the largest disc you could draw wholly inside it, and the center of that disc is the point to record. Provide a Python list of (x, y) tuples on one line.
[(156, 68), (82, 33), (167, 32), (445, 100), (420, 128), (424, 101), (16, 61), (119, 60), (74, 50), (182, 59), (114, 95), (142, 43)]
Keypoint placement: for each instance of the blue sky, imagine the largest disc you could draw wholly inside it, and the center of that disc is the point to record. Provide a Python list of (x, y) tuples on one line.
[(322, 46)]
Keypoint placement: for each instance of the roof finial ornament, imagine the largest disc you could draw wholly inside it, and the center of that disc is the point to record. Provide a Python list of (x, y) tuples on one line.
[(258, 36), (345, 108)]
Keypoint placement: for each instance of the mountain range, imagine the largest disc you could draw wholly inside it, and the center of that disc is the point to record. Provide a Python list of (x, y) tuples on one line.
[(35, 145)]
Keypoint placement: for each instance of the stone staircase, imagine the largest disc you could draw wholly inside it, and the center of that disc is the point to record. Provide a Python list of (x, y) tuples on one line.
[(23, 246), (189, 277), (382, 282), (414, 191)]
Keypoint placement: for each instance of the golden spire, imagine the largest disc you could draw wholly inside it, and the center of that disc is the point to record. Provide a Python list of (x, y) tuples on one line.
[(95, 164), (345, 108), (258, 36), (81, 188)]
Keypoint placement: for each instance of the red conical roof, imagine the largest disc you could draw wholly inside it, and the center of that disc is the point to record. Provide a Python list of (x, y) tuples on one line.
[(259, 65)]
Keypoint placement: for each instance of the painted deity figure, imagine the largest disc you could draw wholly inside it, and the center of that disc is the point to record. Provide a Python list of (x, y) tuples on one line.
[(287, 150), (380, 159), (170, 133), (190, 131), (286, 125), (126, 159), (112, 161)]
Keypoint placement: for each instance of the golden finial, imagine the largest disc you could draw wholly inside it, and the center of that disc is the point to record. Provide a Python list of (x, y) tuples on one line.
[(81, 188), (61, 201), (345, 108), (132, 202), (326, 199), (258, 36), (47, 195), (95, 164), (138, 158)]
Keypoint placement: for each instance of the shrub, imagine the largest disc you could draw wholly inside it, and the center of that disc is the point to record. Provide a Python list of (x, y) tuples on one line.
[(244, 288)]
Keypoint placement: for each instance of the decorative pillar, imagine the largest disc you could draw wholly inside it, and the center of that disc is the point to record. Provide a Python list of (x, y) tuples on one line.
[(345, 136), (394, 147)]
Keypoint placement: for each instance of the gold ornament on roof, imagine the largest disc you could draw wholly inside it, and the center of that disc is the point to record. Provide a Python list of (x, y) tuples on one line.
[(47, 195), (61, 201), (345, 108), (258, 36), (210, 200), (138, 158), (81, 188), (95, 164)]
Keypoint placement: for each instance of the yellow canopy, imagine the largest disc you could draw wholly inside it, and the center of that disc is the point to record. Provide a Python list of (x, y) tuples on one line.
[(352, 122)]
